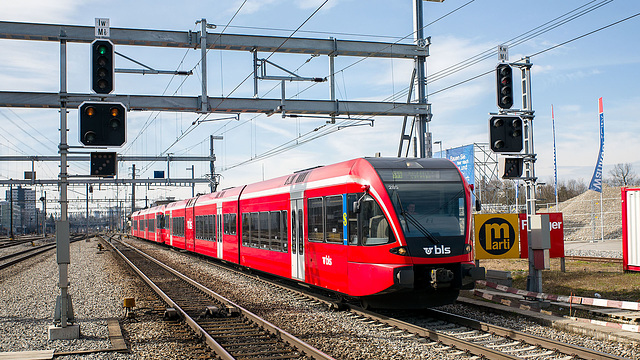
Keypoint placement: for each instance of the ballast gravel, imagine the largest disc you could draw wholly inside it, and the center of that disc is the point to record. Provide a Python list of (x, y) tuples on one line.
[(100, 282), (338, 333), (98, 285)]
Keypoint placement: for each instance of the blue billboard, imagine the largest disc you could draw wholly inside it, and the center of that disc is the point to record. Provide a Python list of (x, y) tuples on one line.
[(463, 158)]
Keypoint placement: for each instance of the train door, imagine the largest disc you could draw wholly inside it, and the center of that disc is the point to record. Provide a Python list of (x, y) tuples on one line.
[(219, 232), (190, 220), (297, 239)]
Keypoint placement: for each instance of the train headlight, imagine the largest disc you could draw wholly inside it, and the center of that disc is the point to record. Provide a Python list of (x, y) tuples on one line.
[(467, 248), (399, 251)]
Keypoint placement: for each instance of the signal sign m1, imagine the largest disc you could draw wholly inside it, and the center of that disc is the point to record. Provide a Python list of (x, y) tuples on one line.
[(496, 236), (102, 27)]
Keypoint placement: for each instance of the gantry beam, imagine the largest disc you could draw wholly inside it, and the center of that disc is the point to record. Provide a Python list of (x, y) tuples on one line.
[(189, 39), (217, 104)]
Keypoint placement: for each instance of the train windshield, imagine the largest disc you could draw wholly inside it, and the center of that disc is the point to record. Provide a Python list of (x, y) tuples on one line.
[(430, 204)]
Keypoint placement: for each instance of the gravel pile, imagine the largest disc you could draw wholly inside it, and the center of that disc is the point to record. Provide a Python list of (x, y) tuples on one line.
[(581, 215)]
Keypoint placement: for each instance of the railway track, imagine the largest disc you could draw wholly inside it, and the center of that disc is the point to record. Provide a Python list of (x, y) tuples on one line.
[(6, 243), (453, 334), (230, 331), (22, 255)]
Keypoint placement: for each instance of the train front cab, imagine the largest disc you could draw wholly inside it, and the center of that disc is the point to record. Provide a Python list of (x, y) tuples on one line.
[(357, 234), (426, 204)]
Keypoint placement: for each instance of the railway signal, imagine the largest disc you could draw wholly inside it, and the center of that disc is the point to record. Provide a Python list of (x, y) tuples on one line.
[(102, 66), (505, 133), (102, 123), (510, 167), (104, 164), (504, 78)]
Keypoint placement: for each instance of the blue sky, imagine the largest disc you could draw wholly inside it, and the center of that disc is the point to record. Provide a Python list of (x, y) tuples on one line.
[(571, 78)]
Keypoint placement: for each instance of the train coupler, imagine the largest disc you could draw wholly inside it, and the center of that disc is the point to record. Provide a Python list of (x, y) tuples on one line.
[(441, 278)]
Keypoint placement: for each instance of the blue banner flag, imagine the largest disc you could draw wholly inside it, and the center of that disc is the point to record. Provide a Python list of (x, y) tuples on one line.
[(596, 180)]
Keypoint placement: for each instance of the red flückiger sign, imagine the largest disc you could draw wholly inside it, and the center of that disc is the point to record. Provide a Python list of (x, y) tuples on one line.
[(557, 236)]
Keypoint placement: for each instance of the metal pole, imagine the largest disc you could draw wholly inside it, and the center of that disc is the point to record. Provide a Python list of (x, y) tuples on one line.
[(535, 276), (601, 217), (424, 146), (44, 210), (203, 49), (212, 167), (193, 185), (11, 212), (87, 207), (133, 189), (62, 226)]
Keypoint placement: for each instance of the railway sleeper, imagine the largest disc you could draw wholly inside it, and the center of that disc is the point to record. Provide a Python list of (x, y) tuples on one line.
[(213, 330), (245, 344), (245, 335)]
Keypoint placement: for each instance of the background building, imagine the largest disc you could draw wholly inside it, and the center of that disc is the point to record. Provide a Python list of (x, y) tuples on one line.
[(24, 210)]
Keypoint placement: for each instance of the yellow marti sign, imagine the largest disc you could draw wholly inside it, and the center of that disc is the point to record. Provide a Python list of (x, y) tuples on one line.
[(496, 236)]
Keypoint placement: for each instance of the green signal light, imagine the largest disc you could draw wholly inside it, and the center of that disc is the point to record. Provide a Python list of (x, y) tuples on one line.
[(102, 49)]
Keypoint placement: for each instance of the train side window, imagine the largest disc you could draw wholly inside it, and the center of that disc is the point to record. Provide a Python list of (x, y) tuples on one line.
[(284, 235), (333, 211), (274, 231), (214, 229), (263, 218), (293, 232), (300, 231), (212, 224), (232, 224), (375, 227), (315, 218), (246, 229), (254, 239)]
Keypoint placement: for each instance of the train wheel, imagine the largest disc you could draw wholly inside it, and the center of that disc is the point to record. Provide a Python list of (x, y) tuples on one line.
[(364, 304)]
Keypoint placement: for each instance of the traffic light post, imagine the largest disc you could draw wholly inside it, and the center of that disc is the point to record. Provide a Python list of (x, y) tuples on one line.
[(102, 66), (510, 132)]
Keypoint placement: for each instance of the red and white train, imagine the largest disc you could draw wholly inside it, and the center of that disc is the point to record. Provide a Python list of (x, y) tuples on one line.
[(391, 232)]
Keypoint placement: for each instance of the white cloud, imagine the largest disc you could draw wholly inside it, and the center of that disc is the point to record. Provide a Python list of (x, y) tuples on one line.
[(56, 11)]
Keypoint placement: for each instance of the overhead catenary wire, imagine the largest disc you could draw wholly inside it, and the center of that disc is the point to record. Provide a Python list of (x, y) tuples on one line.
[(282, 147)]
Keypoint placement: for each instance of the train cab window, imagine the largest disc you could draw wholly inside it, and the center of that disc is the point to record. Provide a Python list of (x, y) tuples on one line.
[(333, 211), (374, 225), (315, 218), (160, 221), (352, 218)]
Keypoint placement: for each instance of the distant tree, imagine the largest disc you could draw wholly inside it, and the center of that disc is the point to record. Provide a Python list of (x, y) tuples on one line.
[(571, 188), (622, 175)]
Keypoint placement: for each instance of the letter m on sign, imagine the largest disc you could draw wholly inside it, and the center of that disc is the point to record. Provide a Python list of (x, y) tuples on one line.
[(496, 232)]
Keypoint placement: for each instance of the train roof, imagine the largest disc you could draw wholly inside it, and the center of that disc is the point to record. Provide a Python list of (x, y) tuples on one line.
[(313, 174)]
